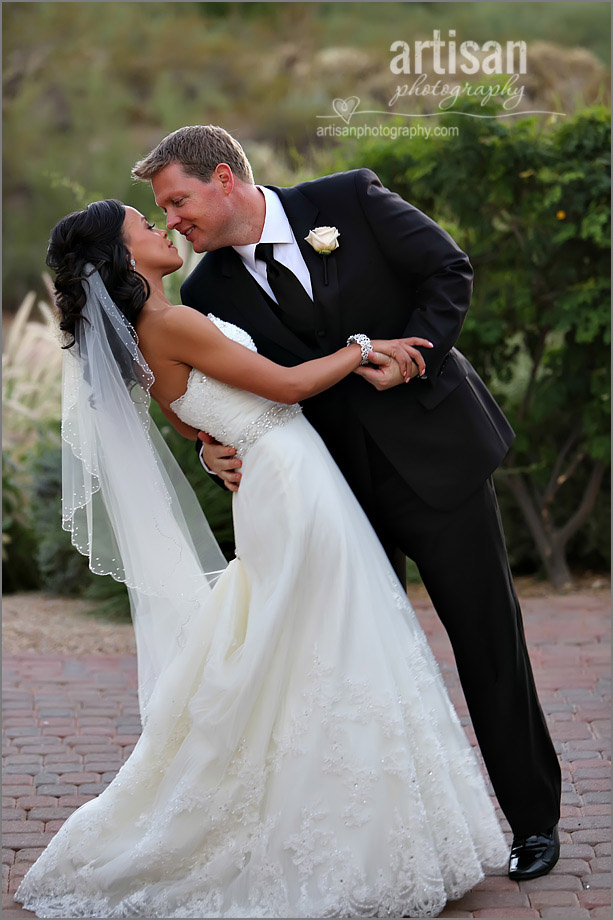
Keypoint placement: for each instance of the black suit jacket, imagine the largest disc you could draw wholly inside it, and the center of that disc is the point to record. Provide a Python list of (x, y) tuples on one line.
[(396, 273)]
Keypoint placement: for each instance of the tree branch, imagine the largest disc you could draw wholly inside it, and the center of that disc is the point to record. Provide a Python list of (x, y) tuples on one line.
[(553, 485), (587, 503), (537, 496), (572, 466), (521, 493)]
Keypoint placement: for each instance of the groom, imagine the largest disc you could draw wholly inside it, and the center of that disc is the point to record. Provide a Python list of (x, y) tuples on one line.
[(418, 456)]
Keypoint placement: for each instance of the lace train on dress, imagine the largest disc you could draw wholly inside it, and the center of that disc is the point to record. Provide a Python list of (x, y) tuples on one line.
[(302, 758)]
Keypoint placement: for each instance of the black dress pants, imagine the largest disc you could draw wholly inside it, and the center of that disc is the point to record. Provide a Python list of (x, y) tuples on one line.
[(462, 559)]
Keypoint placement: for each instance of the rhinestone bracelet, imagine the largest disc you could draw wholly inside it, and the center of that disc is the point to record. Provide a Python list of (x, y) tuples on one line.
[(365, 345)]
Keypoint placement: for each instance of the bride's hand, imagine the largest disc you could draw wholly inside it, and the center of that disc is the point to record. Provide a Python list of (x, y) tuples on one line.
[(409, 359)]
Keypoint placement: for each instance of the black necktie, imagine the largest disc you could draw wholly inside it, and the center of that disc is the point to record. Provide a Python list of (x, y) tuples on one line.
[(294, 307)]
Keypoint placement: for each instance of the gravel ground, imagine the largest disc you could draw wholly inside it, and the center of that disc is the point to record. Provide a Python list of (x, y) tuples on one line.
[(35, 622)]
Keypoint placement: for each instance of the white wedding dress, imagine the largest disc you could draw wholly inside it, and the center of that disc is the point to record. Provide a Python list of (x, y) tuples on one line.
[(317, 768)]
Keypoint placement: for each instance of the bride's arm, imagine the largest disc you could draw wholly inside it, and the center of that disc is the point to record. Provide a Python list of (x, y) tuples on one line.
[(192, 339)]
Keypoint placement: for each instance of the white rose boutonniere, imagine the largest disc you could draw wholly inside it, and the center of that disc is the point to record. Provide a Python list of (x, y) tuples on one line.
[(324, 240)]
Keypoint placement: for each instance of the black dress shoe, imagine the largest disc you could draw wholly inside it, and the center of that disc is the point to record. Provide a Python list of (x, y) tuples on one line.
[(534, 856)]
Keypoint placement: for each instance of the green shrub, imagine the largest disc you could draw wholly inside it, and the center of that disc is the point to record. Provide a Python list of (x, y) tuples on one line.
[(62, 569), (19, 562), (536, 227)]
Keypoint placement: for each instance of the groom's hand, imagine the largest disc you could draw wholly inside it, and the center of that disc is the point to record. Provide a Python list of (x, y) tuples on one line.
[(385, 375), (396, 361), (221, 460)]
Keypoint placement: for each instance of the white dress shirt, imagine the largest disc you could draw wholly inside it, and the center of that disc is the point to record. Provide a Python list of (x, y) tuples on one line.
[(276, 230)]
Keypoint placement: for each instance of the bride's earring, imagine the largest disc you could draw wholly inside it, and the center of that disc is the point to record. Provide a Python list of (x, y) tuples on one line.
[(133, 264)]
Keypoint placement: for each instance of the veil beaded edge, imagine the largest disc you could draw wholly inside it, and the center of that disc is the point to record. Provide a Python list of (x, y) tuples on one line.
[(125, 500)]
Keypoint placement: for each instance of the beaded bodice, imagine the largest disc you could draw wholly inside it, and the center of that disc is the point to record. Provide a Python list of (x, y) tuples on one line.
[(232, 416)]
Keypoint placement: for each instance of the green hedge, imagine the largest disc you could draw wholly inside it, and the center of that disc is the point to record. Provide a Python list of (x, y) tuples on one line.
[(529, 201)]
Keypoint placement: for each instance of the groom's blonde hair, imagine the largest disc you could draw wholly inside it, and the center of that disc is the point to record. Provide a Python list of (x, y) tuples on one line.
[(198, 149)]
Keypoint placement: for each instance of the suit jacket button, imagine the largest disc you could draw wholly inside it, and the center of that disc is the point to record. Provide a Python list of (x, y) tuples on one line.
[(321, 333)]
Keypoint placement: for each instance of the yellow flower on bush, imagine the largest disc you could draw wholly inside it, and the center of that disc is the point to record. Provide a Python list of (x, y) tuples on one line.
[(560, 215)]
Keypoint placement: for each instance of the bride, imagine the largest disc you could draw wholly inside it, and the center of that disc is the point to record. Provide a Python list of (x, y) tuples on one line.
[(299, 755)]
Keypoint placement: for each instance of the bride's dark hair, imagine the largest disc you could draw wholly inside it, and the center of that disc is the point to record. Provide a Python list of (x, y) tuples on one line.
[(95, 236)]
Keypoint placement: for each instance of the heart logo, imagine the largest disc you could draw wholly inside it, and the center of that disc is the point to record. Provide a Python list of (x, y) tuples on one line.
[(345, 108)]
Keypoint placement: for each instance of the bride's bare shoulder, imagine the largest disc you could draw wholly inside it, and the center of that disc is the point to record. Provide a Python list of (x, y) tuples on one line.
[(175, 319), (182, 321), (180, 314)]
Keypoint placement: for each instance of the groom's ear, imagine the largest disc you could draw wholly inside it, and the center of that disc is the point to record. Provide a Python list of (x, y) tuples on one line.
[(224, 175)]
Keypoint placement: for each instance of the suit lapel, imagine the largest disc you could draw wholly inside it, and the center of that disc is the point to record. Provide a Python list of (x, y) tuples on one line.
[(252, 308), (303, 216)]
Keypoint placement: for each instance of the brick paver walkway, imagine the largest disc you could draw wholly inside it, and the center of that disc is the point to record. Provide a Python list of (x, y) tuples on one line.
[(69, 723)]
